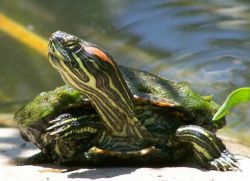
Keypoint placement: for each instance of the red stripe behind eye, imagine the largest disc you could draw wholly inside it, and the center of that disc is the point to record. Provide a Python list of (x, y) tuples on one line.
[(99, 53)]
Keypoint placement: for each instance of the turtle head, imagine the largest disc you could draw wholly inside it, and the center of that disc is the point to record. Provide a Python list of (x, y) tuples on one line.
[(85, 66), (72, 51), (81, 63), (93, 71)]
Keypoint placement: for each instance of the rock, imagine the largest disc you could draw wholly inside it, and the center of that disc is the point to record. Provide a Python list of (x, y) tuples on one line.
[(7, 120), (13, 148)]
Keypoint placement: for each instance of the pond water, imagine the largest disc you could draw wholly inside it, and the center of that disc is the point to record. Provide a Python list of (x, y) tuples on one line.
[(204, 43)]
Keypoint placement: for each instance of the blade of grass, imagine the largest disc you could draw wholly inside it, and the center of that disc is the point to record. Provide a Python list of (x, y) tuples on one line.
[(236, 97)]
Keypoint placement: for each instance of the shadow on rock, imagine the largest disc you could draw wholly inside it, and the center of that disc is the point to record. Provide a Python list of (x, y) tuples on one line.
[(12, 147), (102, 172)]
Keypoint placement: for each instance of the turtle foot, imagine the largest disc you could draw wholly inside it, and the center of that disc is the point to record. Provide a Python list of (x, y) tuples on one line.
[(226, 162), (208, 149), (61, 124), (69, 126)]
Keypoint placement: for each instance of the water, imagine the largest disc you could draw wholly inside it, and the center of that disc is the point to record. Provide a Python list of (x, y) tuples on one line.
[(205, 43)]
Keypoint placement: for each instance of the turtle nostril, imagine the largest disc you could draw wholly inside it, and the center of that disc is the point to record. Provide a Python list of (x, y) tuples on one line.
[(59, 36)]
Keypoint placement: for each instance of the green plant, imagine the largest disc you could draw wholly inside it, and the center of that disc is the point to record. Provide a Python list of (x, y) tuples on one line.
[(236, 97)]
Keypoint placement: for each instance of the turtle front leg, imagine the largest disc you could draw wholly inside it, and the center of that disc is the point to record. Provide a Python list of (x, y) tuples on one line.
[(69, 126), (208, 149)]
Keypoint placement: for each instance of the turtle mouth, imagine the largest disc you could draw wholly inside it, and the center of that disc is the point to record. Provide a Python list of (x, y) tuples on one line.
[(53, 50), (51, 46), (53, 59)]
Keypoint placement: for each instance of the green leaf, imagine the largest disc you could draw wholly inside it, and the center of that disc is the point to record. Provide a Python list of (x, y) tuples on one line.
[(236, 97)]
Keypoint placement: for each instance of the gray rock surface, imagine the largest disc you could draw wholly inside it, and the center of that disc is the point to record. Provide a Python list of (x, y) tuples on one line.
[(13, 148)]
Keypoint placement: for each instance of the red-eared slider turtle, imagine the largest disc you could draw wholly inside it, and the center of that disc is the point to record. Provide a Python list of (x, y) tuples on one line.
[(114, 114)]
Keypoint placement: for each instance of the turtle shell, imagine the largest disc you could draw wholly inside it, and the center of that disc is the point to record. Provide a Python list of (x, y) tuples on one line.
[(161, 105), (170, 103)]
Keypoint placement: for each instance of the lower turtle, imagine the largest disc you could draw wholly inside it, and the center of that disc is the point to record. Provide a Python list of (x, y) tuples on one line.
[(111, 114)]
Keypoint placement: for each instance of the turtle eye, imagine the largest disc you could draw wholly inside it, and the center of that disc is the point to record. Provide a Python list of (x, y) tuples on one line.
[(71, 44)]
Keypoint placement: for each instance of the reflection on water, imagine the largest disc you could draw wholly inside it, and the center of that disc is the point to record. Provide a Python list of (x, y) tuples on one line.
[(205, 43)]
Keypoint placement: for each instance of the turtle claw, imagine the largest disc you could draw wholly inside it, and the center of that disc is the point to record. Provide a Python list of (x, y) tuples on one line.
[(67, 125), (61, 124), (59, 131), (61, 117), (226, 162)]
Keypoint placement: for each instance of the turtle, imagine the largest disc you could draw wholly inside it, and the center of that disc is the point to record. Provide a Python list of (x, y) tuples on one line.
[(110, 114)]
